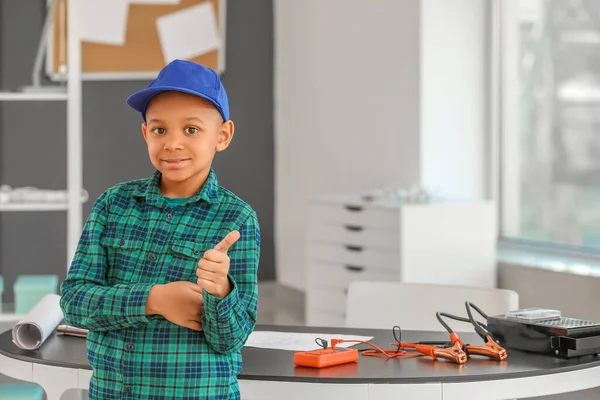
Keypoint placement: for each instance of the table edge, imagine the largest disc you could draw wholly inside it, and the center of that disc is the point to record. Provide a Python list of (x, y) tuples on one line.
[(352, 380)]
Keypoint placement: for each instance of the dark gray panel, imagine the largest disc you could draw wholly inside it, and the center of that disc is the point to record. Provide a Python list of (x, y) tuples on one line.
[(247, 166)]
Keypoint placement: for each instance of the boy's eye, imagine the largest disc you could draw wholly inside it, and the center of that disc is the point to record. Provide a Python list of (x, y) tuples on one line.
[(159, 131), (191, 130)]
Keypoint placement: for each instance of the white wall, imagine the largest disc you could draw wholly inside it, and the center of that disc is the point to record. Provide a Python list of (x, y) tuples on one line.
[(453, 102), (350, 84)]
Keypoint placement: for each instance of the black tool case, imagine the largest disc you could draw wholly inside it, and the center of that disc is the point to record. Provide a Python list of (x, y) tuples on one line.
[(561, 336)]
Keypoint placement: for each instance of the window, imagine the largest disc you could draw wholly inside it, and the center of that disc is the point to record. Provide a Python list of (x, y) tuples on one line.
[(550, 121)]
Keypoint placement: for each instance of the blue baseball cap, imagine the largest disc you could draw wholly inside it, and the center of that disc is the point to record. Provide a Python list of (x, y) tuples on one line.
[(186, 77)]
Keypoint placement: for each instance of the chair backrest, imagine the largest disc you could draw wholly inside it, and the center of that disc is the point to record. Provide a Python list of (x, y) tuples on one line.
[(413, 306)]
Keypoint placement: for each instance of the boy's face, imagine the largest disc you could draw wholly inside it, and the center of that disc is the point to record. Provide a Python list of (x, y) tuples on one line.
[(183, 132)]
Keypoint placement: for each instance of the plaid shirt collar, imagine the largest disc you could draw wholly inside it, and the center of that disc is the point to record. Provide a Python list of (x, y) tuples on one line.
[(150, 191)]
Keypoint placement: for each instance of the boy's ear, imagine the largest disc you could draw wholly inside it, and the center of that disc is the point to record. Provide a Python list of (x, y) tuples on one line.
[(225, 135), (145, 131)]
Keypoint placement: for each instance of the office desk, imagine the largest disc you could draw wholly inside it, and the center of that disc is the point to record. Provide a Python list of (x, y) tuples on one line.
[(61, 364)]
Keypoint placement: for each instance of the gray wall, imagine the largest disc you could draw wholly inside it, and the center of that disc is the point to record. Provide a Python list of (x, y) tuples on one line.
[(33, 143)]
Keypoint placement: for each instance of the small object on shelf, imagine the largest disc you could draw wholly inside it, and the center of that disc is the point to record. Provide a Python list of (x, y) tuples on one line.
[(4, 194), (30, 289), (402, 195), (28, 195)]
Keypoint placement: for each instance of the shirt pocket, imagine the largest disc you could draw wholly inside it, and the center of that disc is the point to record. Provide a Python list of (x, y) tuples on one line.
[(184, 259), (124, 258)]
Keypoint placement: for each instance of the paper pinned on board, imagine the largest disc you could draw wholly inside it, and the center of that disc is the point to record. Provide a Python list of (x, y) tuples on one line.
[(36, 326), (188, 33), (104, 22), (294, 341), (155, 2)]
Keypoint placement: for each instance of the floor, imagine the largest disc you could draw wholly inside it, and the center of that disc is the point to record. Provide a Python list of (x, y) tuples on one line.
[(280, 305)]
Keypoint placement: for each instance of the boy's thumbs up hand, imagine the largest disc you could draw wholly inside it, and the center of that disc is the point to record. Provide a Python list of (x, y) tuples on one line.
[(226, 243), (214, 266)]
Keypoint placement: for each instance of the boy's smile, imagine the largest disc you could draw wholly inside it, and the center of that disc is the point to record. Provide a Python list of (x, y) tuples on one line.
[(175, 162), (183, 132)]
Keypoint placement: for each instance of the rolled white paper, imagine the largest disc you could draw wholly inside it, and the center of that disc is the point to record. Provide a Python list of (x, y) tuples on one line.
[(38, 324)]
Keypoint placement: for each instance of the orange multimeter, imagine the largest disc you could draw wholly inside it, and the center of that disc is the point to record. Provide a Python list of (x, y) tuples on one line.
[(325, 357)]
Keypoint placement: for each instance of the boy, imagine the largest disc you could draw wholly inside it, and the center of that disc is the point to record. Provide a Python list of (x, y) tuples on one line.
[(165, 273)]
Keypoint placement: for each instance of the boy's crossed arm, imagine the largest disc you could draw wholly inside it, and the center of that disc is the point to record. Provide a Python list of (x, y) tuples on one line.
[(89, 302), (182, 302), (179, 302)]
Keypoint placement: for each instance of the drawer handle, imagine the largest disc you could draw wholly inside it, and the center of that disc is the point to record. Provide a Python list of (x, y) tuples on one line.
[(354, 208), (350, 247), (354, 228), (354, 268)]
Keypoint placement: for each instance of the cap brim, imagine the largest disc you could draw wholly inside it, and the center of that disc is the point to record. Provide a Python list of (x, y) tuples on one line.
[(139, 100)]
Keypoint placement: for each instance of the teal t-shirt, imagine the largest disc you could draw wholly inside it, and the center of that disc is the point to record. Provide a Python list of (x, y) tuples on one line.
[(175, 201)]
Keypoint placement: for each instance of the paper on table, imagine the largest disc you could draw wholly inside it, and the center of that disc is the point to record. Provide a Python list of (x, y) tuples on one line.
[(295, 341), (188, 33), (34, 328), (103, 21)]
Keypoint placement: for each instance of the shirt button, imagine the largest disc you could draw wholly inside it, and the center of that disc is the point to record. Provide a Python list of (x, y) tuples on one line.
[(196, 251), (152, 257), (128, 389), (169, 215), (121, 242), (130, 347)]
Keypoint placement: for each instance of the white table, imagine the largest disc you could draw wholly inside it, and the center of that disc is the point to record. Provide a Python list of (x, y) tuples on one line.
[(61, 364)]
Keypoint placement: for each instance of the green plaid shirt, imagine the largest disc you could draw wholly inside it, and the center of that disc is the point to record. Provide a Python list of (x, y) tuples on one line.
[(134, 239)]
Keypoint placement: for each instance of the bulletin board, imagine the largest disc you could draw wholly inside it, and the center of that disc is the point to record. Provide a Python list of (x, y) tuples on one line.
[(141, 55)]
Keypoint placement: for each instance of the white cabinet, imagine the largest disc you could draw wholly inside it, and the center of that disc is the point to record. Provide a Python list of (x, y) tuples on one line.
[(351, 239)]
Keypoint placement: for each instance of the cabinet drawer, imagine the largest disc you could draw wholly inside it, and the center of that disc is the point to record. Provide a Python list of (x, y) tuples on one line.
[(326, 298), (355, 235), (354, 215), (354, 255), (326, 318), (338, 275)]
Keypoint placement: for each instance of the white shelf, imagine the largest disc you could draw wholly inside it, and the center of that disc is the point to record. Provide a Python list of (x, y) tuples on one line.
[(33, 207), (31, 96), (70, 93), (10, 317)]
